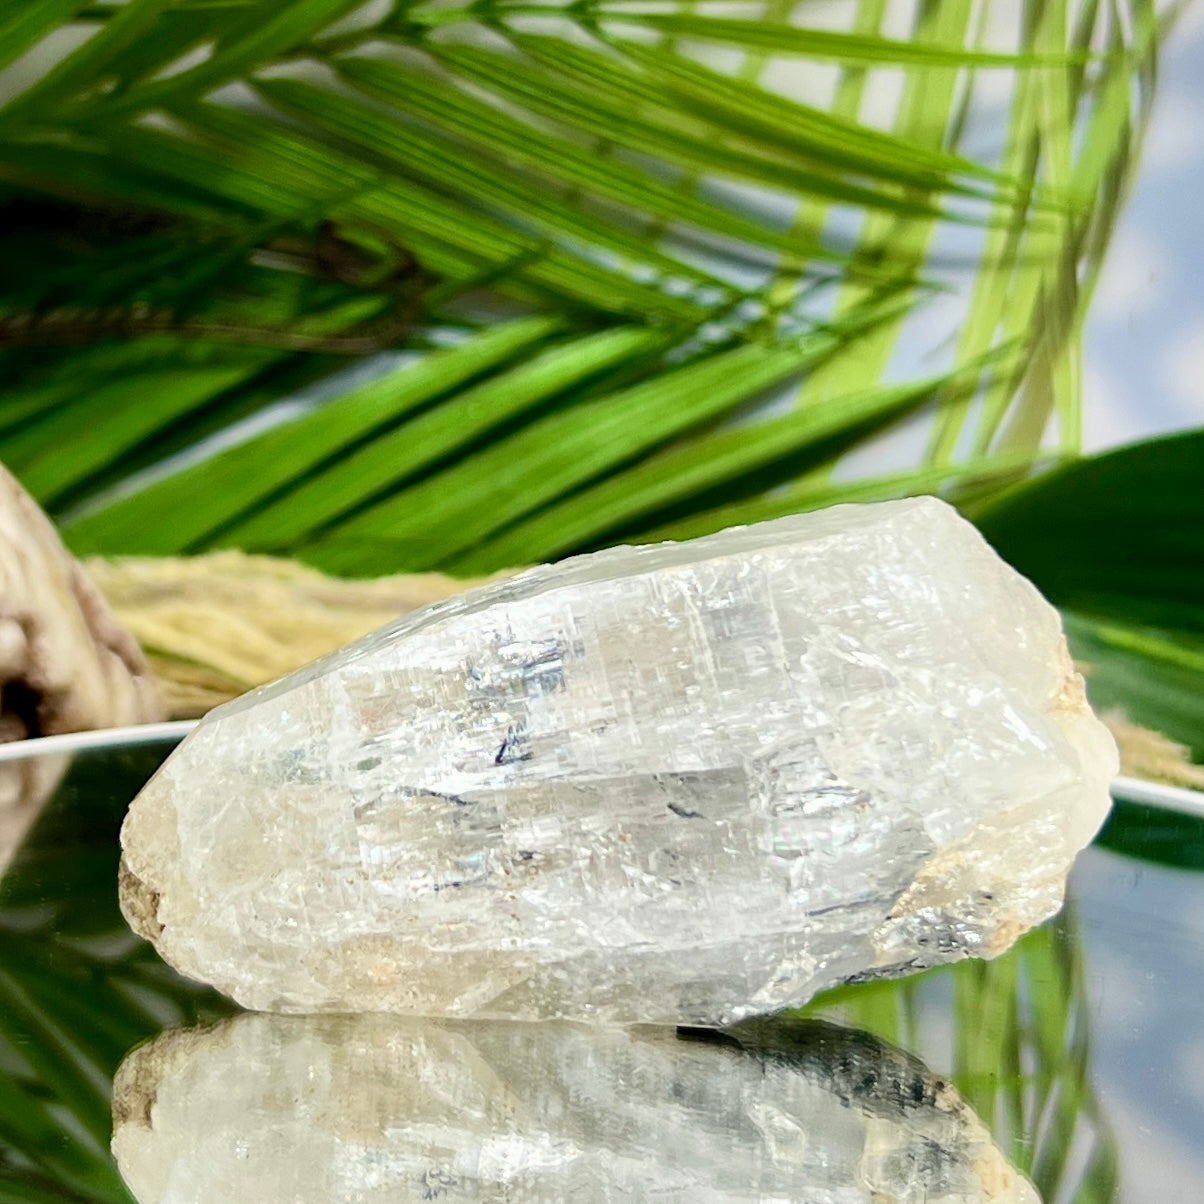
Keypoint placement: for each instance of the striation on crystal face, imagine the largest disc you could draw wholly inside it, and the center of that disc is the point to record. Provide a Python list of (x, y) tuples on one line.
[(294, 1109), (675, 783)]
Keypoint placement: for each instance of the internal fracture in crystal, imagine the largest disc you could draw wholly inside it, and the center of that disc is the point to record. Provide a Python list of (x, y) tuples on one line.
[(674, 783)]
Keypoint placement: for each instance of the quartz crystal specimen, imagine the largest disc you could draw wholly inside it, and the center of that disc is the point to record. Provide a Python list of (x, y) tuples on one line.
[(675, 783), (294, 1110)]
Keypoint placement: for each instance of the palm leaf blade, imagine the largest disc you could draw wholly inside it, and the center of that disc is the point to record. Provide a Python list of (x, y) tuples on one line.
[(399, 455), (427, 524), (233, 481), (673, 477)]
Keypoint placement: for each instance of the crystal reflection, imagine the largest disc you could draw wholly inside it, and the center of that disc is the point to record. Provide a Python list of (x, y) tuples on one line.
[(381, 1108)]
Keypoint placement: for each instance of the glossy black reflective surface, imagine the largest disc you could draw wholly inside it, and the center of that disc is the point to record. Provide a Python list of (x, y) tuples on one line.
[(1082, 1050)]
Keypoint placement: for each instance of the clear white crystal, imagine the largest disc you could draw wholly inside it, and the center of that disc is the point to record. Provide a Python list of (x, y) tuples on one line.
[(376, 1109), (684, 782)]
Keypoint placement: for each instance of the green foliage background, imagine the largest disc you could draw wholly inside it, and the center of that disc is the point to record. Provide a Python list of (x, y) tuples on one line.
[(619, 249)]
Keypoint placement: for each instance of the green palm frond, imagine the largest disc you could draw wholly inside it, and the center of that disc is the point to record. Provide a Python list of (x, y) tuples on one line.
[(602, 252)]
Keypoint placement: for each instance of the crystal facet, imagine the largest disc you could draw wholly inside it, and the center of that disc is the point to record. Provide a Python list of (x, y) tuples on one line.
[(308, 1110), (682, 782)]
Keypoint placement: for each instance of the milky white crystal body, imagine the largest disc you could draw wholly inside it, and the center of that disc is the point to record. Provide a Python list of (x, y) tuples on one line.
[(382, 1109), (681, 782)]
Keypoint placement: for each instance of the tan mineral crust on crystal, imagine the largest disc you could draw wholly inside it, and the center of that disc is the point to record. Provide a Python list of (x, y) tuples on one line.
[(388, 1109), (675, 783)]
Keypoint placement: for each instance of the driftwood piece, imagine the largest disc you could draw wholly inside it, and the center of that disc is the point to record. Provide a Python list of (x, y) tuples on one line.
[(66, 664)]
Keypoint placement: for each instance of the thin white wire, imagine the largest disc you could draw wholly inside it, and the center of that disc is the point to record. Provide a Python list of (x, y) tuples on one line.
[(1173, 798), (109, 737), (1131, 790)]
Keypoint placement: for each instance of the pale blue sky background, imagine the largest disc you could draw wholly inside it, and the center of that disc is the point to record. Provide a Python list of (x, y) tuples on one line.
[(1144, 370)]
